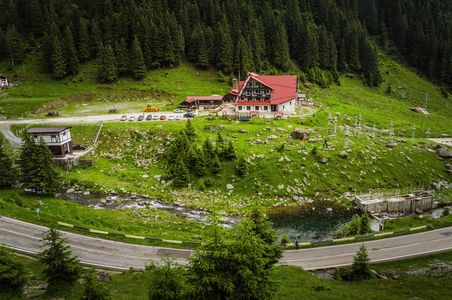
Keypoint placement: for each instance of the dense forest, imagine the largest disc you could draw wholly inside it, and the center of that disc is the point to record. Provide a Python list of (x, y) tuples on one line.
[(322, 37)]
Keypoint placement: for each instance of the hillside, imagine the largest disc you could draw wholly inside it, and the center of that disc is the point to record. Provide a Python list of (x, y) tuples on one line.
[(129, 154)]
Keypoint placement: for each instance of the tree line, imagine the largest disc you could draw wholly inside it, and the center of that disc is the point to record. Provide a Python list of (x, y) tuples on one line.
[(128, 37)]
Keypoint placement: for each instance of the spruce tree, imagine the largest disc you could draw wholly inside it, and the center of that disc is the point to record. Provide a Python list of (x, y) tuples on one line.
[(137, 65), (47, 174), (202, 55), (224, 47), (71, 55), (60, 266), (27, 163), (241, 168), (360, 267), (215, 167), (59, 70), (365, 224), (190, 131), (13, 273), (83, 41), (121, 55), (7, 173), (107, 71), (14, 47), (180, 173)]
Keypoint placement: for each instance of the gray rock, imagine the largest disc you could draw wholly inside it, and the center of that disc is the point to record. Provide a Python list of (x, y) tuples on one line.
[(445, 152), (301, 133), (229, 187)]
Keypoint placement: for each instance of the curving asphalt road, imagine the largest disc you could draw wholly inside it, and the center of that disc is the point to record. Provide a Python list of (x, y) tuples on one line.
[(26, 237)]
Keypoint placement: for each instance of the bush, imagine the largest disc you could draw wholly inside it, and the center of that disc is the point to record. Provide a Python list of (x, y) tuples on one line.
[(12, 272), (167, 282), (285, 240), (94, 289), (446, 212)]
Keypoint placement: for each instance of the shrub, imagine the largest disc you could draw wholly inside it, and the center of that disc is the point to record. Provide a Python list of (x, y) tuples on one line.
[(12, 272), (94, 289), (167, 282)]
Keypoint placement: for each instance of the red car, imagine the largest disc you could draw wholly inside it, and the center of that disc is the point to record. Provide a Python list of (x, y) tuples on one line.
[(162, 117)]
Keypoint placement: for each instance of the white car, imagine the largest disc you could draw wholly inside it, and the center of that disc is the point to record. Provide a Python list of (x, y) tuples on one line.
[(132, 118), (171, 118), (178, 111), (155, 117), (178, 118), (124, 118)]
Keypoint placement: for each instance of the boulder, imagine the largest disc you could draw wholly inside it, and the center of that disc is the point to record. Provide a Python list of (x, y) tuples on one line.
[(229, 187), (301, 133), (445, 152), (343, 154)]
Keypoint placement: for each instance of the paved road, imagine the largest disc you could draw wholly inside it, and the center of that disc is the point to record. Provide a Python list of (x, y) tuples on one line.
[(26, 237), (5, 126)]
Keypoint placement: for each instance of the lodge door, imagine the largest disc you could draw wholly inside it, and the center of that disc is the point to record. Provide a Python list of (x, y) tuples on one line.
[(273, 107)]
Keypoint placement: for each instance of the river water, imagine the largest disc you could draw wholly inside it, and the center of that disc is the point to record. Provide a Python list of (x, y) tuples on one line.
[(312, 222)]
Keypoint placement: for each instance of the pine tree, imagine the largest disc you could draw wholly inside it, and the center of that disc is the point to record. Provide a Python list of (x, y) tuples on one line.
[(7, 173), (190, 131), (47, 47), (59, 264), (202, 55), (107, 71), (137, 65), (28, 166), (241, 168), (215, 167), (369, 63), (360, 267), (224, 48), (121, 55), (229, 152), (83, 41), (181, 175), (71, 55), (58, 62), (14, 47), (13, 273), (281, 58), (47, 175), (365, 224)]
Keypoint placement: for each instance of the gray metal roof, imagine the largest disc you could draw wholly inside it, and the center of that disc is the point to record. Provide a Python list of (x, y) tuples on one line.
[(47, 129)]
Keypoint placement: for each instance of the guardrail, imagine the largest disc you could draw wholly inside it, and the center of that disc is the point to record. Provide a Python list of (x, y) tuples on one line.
[(301, 244), (129, 236), (360, 237)]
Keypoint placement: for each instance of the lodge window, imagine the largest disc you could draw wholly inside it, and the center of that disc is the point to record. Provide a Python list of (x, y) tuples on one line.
[(257, 107), (265, 107), (240, 108), (248, 108)]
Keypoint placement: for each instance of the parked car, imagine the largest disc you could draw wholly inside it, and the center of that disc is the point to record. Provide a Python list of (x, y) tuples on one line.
[(171, 118), (162, 117), (124, 118), (178, 118), (189, 115), (149, 118), (178, 111), (140, 117), (132, 118), (155, 117)]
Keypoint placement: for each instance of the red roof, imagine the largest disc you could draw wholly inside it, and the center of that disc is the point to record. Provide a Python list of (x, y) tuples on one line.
[(191, 99), (284, 88)]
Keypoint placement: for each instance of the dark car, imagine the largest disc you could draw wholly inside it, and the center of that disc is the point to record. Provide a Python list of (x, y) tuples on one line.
[(189, 115), (149, 118), (140, 117)]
